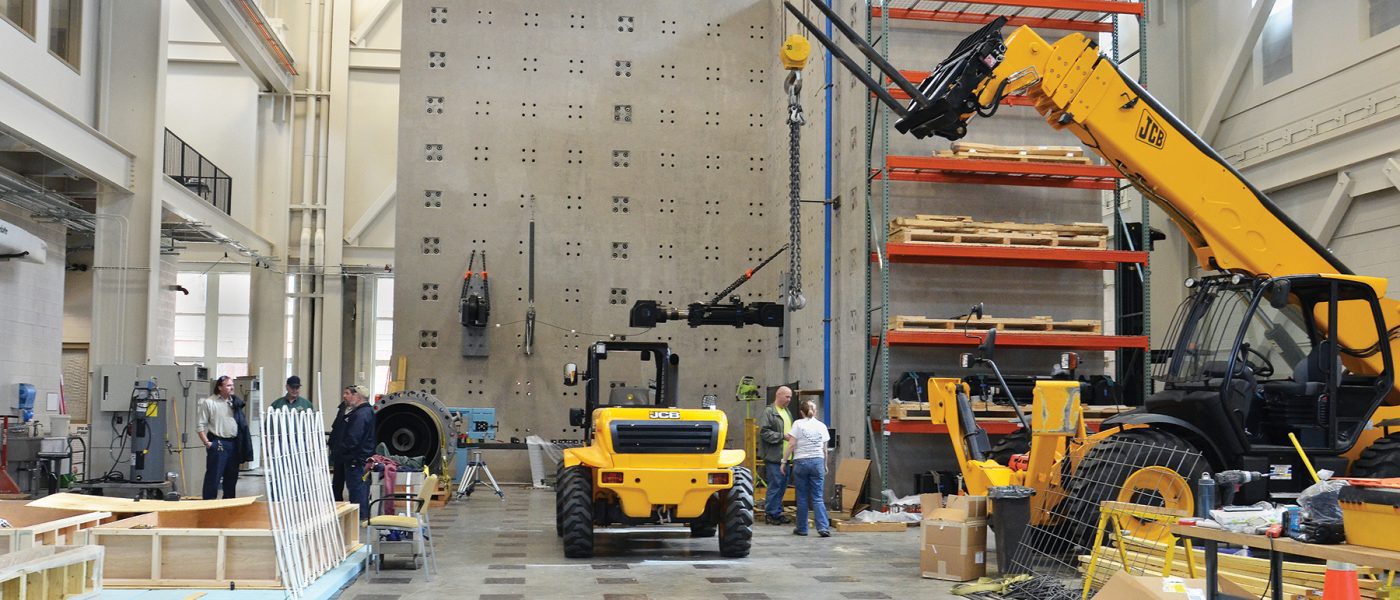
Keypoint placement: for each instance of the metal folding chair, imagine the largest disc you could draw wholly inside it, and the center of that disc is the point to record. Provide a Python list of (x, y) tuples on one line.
[(414, 523)]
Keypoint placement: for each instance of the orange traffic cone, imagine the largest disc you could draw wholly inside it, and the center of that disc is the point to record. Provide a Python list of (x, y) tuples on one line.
[(1340, 582)]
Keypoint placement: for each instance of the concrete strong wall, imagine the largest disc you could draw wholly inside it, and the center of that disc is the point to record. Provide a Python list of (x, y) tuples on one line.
[(647, 137)]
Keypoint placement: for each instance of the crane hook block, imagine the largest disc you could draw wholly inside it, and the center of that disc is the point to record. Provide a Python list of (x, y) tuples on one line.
[(796, 50)]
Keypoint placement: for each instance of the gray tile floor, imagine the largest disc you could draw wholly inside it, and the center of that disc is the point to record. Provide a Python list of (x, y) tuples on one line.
[(494, 550)]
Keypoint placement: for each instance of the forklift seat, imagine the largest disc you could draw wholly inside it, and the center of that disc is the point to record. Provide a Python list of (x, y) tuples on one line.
[(631, 396)]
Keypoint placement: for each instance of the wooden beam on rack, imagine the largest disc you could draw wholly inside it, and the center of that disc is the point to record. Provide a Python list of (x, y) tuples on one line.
[(975, 15), (1010, 256), (1065, 341), (936, 169)]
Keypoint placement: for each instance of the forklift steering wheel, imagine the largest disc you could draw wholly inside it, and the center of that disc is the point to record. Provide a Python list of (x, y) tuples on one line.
[(1265, 369)]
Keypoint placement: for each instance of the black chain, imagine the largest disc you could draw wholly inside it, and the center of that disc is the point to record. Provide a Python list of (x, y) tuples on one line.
[(796, 119)]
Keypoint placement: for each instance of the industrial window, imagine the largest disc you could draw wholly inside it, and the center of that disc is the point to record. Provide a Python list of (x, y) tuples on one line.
[(19, 13), (383, 332), (211, 322), (1276, 42), (1383, 15), (66, 30)]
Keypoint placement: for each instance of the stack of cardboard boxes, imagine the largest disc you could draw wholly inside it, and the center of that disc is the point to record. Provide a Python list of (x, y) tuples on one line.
[(954, 537)]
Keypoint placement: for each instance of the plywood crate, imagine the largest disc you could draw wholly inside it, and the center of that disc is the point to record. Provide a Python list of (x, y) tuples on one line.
[(200, 549), (47, 572), (32, 526)]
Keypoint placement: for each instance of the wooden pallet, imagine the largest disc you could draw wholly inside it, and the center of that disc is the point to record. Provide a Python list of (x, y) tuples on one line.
[(942, 229), (852, 527), (1042, 154), (1038, 324), (919, 411)]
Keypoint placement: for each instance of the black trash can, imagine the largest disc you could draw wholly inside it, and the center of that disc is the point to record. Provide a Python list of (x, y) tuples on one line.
[(1011, 514)]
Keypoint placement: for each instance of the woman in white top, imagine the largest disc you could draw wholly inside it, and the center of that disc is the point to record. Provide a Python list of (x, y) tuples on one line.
[(807, 450)]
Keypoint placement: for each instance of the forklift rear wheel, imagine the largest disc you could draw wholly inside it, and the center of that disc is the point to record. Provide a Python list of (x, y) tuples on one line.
[(576, 511), (1380, 459), (736, 516)]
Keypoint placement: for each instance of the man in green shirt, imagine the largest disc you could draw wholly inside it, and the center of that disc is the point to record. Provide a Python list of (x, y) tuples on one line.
[(293, 399), (772, 447)]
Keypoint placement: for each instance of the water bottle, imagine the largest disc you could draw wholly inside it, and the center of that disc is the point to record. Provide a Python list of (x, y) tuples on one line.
[(1205, 496)]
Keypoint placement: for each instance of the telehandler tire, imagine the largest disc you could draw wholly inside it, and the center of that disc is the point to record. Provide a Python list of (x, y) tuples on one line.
[(1103, 471), (736, 516), (576, 511), (1380, 459)]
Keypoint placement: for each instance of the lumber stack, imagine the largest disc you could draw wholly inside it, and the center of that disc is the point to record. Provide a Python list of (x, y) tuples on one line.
[(1038, 324), (1073, 155), (954, 229), (1146, 557)]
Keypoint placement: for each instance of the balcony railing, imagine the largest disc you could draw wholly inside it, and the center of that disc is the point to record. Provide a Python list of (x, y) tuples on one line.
[(189, 168)]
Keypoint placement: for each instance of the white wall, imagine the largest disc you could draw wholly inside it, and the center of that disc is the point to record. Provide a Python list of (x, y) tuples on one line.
[(370, 151), (32, 317), (28, 62), (212, 103)]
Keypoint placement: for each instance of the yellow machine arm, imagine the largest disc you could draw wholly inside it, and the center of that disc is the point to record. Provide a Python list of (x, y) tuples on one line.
[(1230, 225)]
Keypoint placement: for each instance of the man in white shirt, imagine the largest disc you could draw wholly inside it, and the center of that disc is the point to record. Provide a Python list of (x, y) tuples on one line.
[(807, 450), (217, 427)]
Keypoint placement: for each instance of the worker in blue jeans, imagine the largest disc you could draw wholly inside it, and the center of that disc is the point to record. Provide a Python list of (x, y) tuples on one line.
[(807, 449), (353, 444)]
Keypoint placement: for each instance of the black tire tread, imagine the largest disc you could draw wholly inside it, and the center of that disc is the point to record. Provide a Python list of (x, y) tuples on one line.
[(1016, 442), (576, 511), (1103, 465), (1380, 459), (736, 516)]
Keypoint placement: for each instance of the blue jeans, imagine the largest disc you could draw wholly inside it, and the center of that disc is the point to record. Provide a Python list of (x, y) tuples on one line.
[(777, 487), (809, 477), (355, 484), (220, 468)]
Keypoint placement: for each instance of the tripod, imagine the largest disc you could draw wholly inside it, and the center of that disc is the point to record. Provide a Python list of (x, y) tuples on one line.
[(472, 476)]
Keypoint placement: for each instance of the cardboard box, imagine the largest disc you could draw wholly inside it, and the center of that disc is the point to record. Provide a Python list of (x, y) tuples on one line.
[(930, 502), (974, 506), (953, 550), (960, 509), (1123, 586)]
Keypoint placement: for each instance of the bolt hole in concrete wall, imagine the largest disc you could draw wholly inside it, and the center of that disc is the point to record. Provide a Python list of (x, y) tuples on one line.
[(645, 169)]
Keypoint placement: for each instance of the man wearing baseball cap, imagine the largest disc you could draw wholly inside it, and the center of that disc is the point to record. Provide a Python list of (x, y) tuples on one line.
[(353, 444), (293, 399)]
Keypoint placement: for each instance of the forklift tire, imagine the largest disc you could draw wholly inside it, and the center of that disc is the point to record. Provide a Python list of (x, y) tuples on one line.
[(559, 500), (576, 511), (1380, 459), (1101, 475), (1016, 442), (736, 516)]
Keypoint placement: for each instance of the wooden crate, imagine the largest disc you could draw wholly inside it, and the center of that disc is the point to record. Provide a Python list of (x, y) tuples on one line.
[(32, 526), (1038, 324), (909, 411), (47, 572), (200, 549)]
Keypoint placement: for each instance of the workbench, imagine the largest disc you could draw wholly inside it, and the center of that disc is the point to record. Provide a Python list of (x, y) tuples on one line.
[(1277, 547)]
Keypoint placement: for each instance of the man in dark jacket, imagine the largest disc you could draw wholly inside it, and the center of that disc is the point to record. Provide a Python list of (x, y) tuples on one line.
[(333, 441), (772, 431), (353, 444)]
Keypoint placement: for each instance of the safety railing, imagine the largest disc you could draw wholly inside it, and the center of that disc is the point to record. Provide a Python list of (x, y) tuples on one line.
[(189, 168)]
